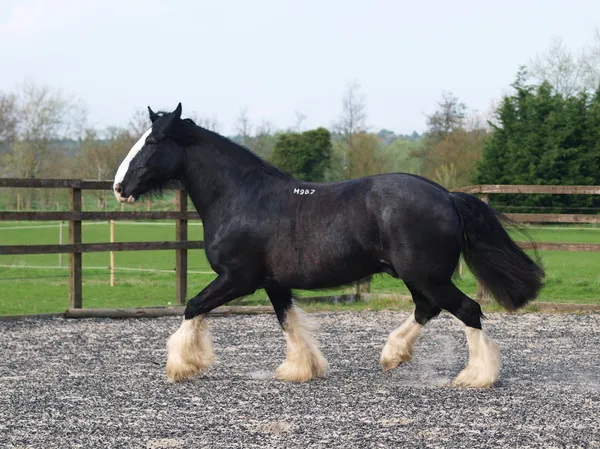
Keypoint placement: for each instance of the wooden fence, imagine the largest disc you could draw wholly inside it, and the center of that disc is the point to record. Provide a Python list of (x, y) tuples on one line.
[(483, 191), (75, 248), (75, 216)]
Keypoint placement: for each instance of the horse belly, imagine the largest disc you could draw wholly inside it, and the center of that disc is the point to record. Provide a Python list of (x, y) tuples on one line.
[(325, 266)]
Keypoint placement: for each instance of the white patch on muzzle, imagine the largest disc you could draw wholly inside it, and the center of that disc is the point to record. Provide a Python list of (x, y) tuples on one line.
[(124, 167)]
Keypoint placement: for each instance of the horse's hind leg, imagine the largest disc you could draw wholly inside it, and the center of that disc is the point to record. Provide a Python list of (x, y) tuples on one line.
[(304, 360), (399, 346), (483, 368)]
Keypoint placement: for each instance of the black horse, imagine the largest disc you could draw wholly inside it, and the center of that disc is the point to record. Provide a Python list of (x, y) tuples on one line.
[(265, 229)]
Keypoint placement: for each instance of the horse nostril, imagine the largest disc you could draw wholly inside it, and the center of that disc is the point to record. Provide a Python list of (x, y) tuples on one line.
[(118, 188)]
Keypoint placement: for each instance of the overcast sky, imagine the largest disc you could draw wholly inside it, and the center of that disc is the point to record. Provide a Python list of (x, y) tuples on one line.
[(275, 57)]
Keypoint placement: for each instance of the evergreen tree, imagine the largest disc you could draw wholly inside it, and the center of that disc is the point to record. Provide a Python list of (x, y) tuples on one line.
[(543, 137), (306, 156)]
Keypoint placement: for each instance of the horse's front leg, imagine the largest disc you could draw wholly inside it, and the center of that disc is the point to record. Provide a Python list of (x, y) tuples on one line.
[(304, 360), (190, 349)]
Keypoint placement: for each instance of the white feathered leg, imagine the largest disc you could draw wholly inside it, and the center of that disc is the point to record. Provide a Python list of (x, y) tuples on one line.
[(189, 350), (304, 360), (399, 346), (483, 368)]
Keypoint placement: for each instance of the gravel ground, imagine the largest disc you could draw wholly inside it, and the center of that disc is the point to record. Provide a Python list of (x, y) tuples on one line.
[(100, 384)]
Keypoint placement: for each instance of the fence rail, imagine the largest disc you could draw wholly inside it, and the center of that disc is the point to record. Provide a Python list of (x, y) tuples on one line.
[(75, 248), (98, 216), (55, 184), (11, 250), (75, 216), (531, 189)]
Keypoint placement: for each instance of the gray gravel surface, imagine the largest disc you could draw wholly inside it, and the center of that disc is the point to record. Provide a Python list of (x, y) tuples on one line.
[(100, 384)]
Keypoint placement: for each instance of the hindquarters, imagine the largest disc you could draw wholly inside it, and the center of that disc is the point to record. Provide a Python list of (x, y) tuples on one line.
[(424, 238), (420, 233)]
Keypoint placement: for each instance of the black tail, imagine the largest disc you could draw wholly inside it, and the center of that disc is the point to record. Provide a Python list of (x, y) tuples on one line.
[(497, 262)]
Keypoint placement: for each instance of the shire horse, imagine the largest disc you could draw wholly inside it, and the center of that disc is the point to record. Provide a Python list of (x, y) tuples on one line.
[(263, 229)]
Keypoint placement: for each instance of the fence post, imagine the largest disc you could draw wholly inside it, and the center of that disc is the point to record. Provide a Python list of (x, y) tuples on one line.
[(112, 254), (181, 231), (363, 287), (75, 265), (481, 292), (60, 242)]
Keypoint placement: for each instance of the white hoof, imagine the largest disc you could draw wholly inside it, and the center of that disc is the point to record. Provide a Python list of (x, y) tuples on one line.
[(399, 346), (310, 364), (189, 350), (483, 368), (395, 353), (304, 360)]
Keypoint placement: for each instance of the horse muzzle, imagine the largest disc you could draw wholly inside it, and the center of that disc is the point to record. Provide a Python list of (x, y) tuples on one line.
[(118, 190)]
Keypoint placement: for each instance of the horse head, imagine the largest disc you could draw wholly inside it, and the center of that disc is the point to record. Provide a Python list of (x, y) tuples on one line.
[(154, 160)]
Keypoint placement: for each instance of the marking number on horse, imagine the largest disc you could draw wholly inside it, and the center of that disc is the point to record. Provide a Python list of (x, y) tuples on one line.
[(304, 191)]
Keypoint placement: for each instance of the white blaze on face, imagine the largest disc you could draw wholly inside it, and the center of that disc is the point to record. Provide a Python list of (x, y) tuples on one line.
[(124, 167)]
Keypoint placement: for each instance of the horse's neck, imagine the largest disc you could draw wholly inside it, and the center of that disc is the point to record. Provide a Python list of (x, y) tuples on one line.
[(212, 180)]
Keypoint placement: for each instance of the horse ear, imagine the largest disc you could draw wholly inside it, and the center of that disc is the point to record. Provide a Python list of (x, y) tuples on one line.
[(153, 115), (162, 129), (177, 111)]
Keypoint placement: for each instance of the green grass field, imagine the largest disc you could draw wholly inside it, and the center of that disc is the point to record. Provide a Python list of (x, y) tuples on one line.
[(35, 284)]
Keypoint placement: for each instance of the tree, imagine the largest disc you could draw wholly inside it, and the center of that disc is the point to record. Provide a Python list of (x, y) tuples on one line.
[(46, 118), (244, 127), (210, 123), (264, 140), (99, 156), (568, 73), (591, 67), (558, 66), (591, 139), (365, 156), (37, 127), (452, 144), (543, 137), (400, 155), (446, 176), (300, 117), (449, 117), (352, 121), (8, 118), (456, 155), (139, 123), (306, 156)]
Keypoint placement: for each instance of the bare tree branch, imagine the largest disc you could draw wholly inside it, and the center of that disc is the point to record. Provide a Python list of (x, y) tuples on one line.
[(244, 126), (8, 117), (352, 121), (567, 72), (210, 123), (44, 118), (591, 66), (300, 117), (139, 123)]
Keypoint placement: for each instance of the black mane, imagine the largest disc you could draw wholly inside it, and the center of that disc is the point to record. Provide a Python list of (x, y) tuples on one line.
[(187, 133)]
